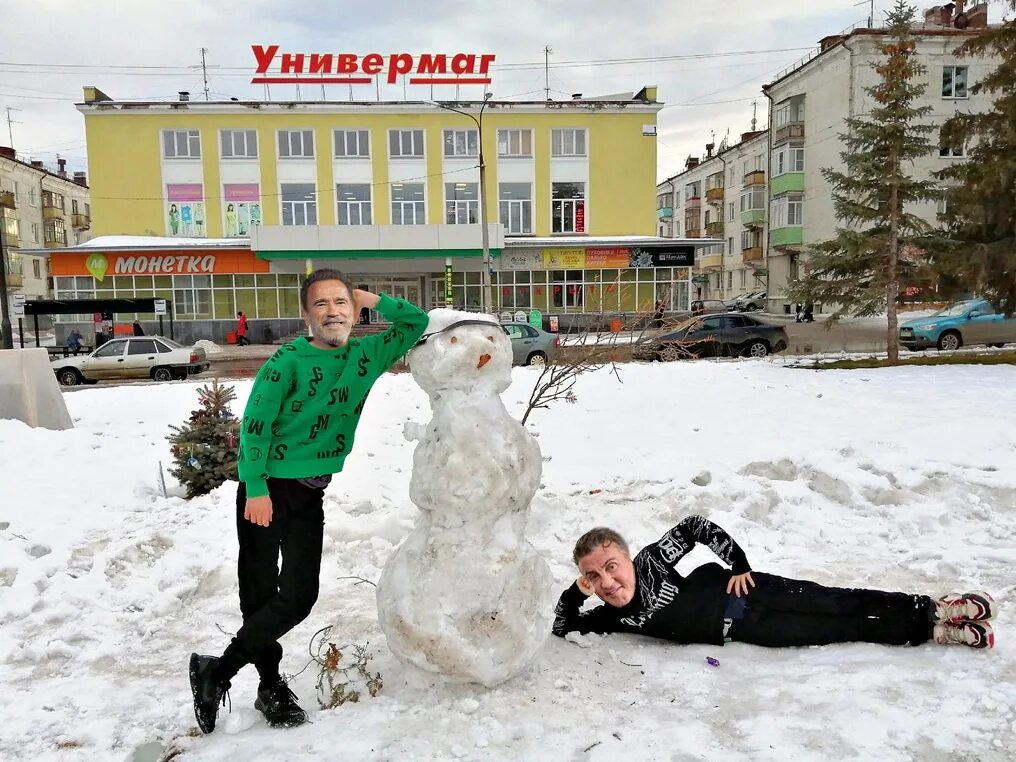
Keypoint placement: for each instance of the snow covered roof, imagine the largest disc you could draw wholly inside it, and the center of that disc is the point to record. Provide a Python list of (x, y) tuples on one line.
[(159, 242), (585, 241)]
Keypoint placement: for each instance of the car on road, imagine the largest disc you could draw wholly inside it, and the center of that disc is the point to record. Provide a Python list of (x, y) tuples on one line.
[(710, 306), (965, 323), (716, 336), (754, 302), (153, 357), (530, 345)]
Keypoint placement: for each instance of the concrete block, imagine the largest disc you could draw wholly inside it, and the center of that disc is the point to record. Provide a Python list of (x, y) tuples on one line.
[(29, 391)]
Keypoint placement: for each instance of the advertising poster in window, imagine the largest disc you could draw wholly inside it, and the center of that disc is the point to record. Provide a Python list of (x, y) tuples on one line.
[(564, 259), (608, 258), (580, 216), (241, 208), (521, 260), (185, 210)]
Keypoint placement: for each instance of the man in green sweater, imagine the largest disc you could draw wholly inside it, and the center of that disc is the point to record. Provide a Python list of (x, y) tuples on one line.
[(297, 430)]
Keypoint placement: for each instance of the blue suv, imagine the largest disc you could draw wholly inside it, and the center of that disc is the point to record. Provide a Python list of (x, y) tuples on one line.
[(964, 323)]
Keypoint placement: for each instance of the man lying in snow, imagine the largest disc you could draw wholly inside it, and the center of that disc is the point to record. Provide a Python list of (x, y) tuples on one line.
[(714, 605)]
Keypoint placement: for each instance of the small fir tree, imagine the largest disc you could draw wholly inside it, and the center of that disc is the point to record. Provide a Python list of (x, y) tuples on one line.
[(980, 216), (881, 245), (205, 447)]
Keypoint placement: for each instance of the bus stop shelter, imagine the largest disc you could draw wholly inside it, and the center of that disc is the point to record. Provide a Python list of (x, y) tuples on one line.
[(158, 307)]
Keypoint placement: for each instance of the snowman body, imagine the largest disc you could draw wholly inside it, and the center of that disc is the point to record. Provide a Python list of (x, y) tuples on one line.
[(466, 596)]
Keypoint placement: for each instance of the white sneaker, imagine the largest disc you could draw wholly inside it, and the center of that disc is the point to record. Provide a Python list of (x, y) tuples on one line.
[(967, 607), (972, 634)]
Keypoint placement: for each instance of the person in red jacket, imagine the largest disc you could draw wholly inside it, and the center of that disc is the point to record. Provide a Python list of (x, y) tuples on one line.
[(241, 329), (713, 605)]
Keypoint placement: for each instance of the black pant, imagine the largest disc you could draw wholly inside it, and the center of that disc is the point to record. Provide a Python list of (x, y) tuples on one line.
[(273, 602), (790, 612), (241, 340)]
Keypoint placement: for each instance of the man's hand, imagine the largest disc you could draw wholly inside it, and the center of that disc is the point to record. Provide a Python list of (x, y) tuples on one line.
[(584, 586), (739, 584), (363, 299), (258, 510)]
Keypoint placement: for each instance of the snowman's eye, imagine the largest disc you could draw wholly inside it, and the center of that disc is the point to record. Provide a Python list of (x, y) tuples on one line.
[(454, 339), (490, 338)]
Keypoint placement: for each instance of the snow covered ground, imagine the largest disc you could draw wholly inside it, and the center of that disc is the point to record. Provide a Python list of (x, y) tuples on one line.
[(902, 478)]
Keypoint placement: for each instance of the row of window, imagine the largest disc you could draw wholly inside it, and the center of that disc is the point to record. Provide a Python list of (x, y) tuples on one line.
[(49, 199), (356, 144), (53, 231), (354, 205)]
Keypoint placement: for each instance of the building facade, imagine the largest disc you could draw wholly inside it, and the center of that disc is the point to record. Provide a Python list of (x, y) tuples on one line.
[(39, 209), (389, 193)]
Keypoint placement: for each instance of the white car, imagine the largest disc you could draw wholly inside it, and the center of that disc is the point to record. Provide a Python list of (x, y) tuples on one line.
[(151, 357)]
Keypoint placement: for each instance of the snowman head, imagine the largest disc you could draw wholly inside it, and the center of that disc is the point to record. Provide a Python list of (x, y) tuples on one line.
[(462, 351)]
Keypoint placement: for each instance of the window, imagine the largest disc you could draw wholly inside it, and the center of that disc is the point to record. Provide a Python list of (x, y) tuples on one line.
[(515, 143), (693, 190), (462, 203), (568, 142), (299, 204), (35, 232), (730, 212), (516, 207), (753, 199), (111, 349), (568, 211), (730, 177), (53, 200), (742, 286), (141, 347), (163, 348), (36, 268), (567, 288), (74, 206), (54, 232), (664, 201), (405, 144), (788, 157), (787, 210), (352, 144), (181, 144), (954, 81), (730, 245), (408, 206), (751, 239), (238, 144), (789, 111), (32, 198), (760, 162), (951, 152), (461, 143), (942, 202), (12, 227), (354, 203), (296, 144)]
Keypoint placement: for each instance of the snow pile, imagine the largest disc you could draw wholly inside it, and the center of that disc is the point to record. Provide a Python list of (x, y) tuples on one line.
[(899, 478), (210, 347), (466, 595)]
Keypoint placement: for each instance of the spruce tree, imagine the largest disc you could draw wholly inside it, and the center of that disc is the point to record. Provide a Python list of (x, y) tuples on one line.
[(861, 270), (980, 216), (205, 447)]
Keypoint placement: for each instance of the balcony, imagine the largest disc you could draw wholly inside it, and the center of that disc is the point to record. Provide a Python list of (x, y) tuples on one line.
[(15, 280), (791, 131), (714, 229), (787, 183), (52, 213), (788, 236), (754, 254), (754, 218), (7, 199), (693, 233), (81, 221), (711, 261), (11, 238), (755, 177), (664, 211), (715, 195), (56, 244), (695, 202)]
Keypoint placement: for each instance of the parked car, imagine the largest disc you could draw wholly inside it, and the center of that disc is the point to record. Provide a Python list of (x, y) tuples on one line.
[(969, 322), (754, 302), (710, 306), (716, 336), (136, 357), (531, 345)]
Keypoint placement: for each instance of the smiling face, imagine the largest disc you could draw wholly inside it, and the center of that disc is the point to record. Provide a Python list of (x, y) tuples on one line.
[(611, 573), (329, 313), (462, 358)]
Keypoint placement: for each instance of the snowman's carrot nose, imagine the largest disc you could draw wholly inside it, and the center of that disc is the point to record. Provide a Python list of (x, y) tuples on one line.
[(484, 359)]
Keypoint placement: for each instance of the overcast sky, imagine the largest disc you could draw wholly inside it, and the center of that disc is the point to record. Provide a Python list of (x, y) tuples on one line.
[(54, 47)]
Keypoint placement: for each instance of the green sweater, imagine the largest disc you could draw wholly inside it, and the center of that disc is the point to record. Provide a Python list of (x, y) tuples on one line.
[(302, 413)]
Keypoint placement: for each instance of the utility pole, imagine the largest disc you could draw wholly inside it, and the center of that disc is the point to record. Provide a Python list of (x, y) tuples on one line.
[(6, 336), (10, 130), (546, 71), (754, 115), (204, 70)]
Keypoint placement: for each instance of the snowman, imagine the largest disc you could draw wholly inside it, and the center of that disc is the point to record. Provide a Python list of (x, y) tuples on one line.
[(466, 596)]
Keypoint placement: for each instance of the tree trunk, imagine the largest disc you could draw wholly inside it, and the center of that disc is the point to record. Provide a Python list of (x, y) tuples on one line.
[(893, 280)]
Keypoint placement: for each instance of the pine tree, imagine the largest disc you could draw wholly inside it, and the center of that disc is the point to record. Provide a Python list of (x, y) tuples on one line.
[(980, 215), (861, 270), (204, 448)]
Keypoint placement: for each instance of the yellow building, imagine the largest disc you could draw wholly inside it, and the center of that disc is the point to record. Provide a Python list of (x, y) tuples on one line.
[(390, 192)]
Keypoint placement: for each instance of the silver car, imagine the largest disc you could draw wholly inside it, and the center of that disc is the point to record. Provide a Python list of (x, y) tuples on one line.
[(135, 357), (531, 346)]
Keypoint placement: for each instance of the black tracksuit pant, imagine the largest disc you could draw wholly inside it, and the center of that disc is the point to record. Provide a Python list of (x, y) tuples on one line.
[(273, 600), (790, 612)]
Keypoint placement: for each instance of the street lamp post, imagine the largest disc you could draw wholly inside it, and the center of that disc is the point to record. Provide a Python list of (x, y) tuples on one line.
[(486, 297), (6, 336)]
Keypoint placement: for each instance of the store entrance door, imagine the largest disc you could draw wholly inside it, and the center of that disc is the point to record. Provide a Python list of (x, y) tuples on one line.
[(401, 289)]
